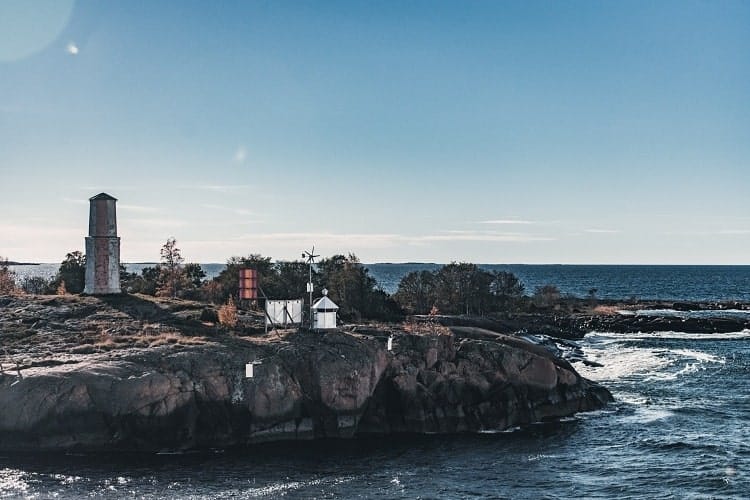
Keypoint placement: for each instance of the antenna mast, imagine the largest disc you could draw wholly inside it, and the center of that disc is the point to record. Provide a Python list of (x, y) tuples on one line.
[(310, 256)]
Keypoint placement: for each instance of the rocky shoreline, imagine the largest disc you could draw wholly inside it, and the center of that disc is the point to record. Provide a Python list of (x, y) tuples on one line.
[(134, 373), (616, 317)]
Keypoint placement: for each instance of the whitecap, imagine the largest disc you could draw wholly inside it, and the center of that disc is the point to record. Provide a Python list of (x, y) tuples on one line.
[(621, 359), (646, 414), (13, 483), (672, 335), (620, 362), (702, 313)]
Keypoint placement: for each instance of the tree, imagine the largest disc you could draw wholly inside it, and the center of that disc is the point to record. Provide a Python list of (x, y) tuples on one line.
[(193, 281), (7, 277), (507, 289), (354, 290), (194, 274), (172, 275), (127, 280), (290, 280), (457, 288), (147, 282), (464, 288), (417, 292), (72, 271)]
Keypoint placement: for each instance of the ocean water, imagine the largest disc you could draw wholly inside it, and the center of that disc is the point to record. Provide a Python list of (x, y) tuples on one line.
[(680, 428), (704, 283)]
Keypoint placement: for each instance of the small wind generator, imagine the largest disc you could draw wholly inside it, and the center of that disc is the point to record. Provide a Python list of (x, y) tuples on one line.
[(310, 259)]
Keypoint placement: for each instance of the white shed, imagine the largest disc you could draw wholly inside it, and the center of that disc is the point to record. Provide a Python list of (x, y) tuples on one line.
[(324, 313)]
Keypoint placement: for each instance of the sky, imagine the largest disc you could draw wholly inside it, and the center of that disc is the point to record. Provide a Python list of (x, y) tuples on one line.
[(406, 131)]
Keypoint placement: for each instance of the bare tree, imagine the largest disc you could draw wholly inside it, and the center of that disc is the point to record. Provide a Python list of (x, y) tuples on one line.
[(172, 275), (7, 277)]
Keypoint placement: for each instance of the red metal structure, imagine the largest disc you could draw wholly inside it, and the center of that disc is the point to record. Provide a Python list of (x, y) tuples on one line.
[(248, 284)]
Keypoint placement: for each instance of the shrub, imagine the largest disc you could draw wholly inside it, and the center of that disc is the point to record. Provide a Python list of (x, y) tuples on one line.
[(546, 296), (228, 314), (35, 285), (73, 272)]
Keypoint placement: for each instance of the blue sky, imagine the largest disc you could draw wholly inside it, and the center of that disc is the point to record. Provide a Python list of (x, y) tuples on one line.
[(484, 131)]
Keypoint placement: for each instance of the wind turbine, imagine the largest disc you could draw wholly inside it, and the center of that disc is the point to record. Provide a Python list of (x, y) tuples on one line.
[(310, 259)]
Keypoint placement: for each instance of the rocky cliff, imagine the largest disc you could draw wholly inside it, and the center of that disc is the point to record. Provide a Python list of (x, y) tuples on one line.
[(133, 374)]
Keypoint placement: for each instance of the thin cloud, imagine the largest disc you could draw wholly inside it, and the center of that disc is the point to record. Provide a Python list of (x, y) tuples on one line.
[(723, 232), (602, 231), (120, 206), (486, 236), (36, 233), (217, 188), (506, 221), (238, 211), (734, 231), (156, 222), (136, 208), (392, 239), (76, 201)]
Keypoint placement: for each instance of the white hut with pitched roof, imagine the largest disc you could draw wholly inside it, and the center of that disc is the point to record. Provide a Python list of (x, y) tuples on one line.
[(324, 313)]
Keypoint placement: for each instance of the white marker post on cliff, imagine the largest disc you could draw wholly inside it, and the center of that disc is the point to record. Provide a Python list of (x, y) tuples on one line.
[(250, 369)]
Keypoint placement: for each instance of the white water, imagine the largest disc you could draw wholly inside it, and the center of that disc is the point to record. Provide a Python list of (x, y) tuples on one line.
[(626, 355)]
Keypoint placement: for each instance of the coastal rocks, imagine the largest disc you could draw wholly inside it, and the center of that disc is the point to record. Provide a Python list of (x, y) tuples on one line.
[(162, 389), (574, 326), (646, 324), (478, 385)]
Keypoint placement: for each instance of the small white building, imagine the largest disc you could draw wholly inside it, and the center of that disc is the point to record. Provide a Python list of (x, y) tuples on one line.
[(324, 313)]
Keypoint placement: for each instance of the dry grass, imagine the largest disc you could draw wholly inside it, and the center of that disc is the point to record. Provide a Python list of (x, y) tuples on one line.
[(429, 328), (606, 310), (148, 337), (173, 337)]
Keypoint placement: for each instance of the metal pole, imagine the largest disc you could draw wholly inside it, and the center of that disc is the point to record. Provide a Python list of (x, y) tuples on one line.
[(311, 294)]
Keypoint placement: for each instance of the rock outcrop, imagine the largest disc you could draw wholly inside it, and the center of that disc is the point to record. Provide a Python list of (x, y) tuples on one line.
[(575, 325), (185, 394)]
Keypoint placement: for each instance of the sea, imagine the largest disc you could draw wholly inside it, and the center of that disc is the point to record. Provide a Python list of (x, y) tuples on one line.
[(644, 282), (679, 426)]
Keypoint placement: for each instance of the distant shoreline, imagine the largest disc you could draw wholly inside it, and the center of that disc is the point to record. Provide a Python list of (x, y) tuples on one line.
[(14, 263)]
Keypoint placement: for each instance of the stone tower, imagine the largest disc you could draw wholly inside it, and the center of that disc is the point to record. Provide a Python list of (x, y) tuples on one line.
[(102, 247)]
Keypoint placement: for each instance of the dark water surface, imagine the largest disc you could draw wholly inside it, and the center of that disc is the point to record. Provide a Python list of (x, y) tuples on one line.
[(680, 428), (702, 283)]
